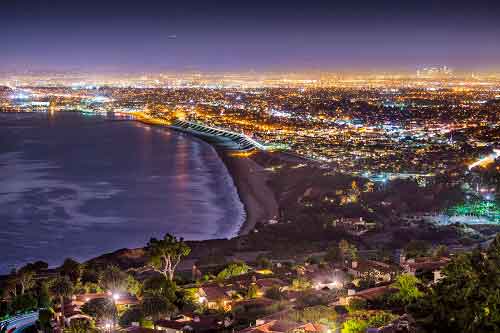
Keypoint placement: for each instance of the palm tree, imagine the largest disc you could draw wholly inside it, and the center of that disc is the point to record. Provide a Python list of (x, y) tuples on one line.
[(62, 287), (156, 306)]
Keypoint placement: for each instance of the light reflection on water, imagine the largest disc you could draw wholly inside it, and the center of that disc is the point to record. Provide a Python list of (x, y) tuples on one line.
[(74, 186)]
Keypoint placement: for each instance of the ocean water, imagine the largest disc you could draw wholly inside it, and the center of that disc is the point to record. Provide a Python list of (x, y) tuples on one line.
[(78, 186)]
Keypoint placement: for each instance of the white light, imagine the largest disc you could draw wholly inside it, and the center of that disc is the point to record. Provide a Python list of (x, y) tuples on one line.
[(116, 296)]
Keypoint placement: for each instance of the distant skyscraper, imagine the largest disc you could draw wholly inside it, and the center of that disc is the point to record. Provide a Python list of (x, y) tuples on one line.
[(434, 72)]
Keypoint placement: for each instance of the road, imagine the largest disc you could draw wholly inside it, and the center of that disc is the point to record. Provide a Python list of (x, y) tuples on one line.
[(18, 323)]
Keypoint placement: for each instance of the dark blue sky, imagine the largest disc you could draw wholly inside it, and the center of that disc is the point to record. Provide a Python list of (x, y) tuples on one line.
[(240, 35)]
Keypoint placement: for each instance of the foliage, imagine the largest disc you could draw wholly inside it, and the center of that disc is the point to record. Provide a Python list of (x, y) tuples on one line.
[(165, 254), (80, 325), (417, 249), (356, 304), (274, 293), (313, 260), (72, 269), (309, 299), (156, 306), (315, 314), (263, 262), (333, 254), (26, 279), (43, 296), (301, 284), (89, 275), (354, 325), (408, 291), (233, 269), (347, 250), (113, 279), (62, 287), (380, 319), (253, 291), (441, 251), (158, 285), (37, 266), (44, 318), (130, 316), (100, 308), (24, 302), (134, 287), (92, 288), (467, 299)]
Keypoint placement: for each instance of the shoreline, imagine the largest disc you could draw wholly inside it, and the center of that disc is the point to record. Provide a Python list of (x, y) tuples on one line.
[(250, 180)]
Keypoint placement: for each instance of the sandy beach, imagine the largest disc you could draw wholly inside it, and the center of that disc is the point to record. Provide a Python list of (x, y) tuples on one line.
[(250, 179)]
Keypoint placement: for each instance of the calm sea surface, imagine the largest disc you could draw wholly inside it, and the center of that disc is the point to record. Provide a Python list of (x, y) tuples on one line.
[(78, 186)]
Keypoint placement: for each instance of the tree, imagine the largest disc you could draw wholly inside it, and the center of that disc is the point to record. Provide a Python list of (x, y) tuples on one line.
[(72, 269), (408, 291), (381, 319), (417, 248), (274, 293), (165, 254), (80, 325), (441, 251), (233, 269), (356, 304), (348, 250), (157, 285), (113, 279), (263, 262), (301, 283), (467, 298), (43, 296), (44, 318), (132, 315), (24, 302), (134, 287), (333, 254), (100, 308), (62, 287), (315, 314), (354, 325), (253, 291), (89, 275), (156, 306), (26, 279)]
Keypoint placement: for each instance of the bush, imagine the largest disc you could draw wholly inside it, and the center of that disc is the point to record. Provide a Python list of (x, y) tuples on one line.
[(311, 299), (130, 316), (263, 262), (354, 326), (356, 304), (25, 302), (274, 293)]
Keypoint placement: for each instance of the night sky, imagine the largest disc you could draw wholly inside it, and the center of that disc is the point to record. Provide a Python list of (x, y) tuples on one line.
[(143, 35)]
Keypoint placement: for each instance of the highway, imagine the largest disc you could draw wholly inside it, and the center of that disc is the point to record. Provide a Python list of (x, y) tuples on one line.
[(18, 323)]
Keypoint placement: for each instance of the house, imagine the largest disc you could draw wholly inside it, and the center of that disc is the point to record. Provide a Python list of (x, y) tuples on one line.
[(423, 265), (382, 272), (214, 296), (209, 323), (285, 326), (267, 283)]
